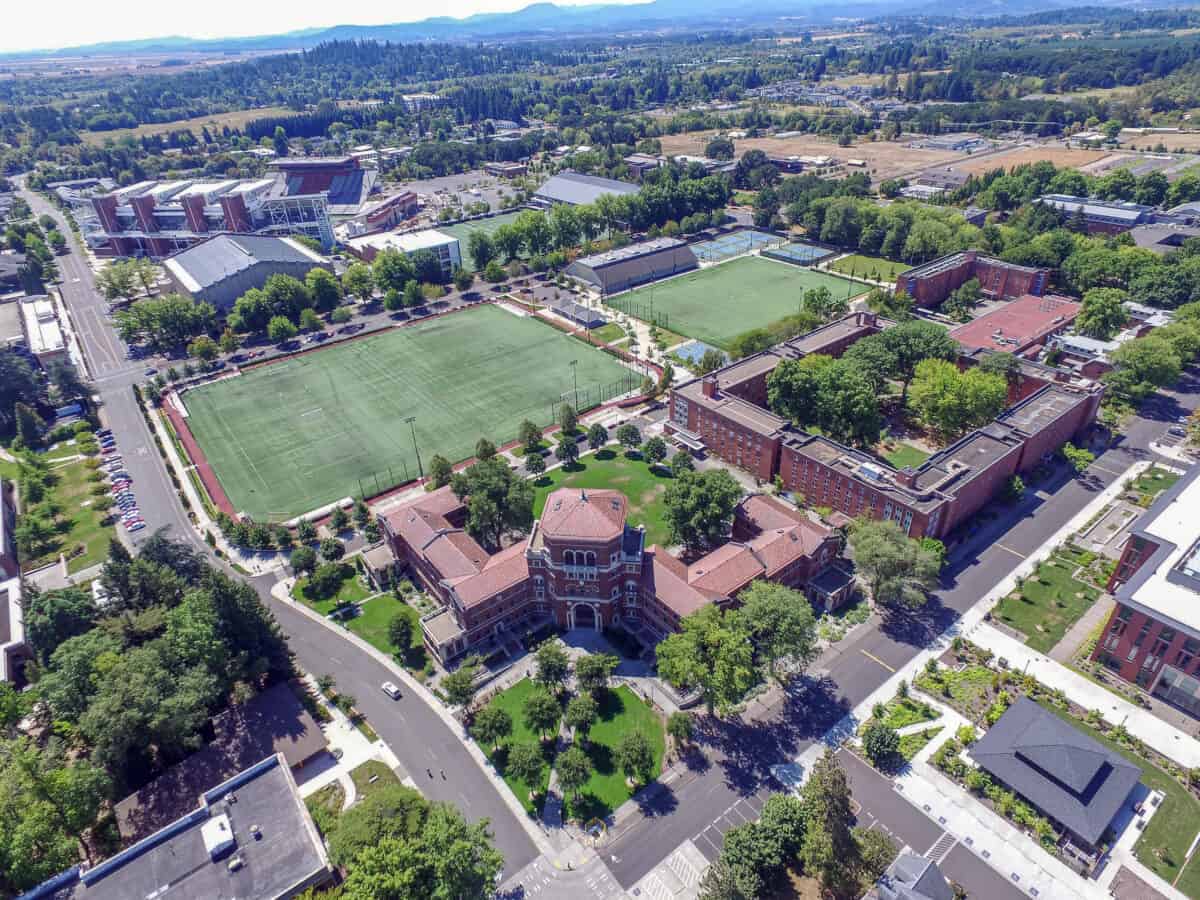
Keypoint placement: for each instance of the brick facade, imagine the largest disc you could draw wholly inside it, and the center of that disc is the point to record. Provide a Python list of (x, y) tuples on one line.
[(933, 282)]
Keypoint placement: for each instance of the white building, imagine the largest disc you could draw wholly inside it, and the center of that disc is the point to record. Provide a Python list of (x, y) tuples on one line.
[(444, 247), (43, 333)]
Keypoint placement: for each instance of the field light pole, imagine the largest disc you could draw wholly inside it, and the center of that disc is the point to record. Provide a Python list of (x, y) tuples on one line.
[(411, 420), (574, 364)]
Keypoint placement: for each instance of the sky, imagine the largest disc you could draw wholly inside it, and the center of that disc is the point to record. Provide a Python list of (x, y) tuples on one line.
[(69, 23)]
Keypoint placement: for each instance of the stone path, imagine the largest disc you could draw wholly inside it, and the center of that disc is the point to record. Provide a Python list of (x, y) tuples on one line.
[(1078, 633)]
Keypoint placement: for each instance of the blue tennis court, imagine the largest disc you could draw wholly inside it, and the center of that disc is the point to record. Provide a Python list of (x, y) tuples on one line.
[(692, 351), (734, 244), (799, 252)]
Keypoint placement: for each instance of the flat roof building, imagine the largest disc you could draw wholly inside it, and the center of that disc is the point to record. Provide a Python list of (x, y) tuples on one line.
[(250, 837), (1163, 238), (1152, 638), (43, 333), (14, 651), (444, 246), (931, 283), (626, 267), (222, 268), (1070, 777), (575, 189), (1100, 216), (1019, 326)]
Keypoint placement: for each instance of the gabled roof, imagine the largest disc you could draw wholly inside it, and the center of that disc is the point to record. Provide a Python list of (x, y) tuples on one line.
[(1069, 776), (577, 189), (212, 261), (912, 877)]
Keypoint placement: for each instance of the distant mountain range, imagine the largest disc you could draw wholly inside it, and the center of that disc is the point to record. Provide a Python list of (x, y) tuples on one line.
[(550, 20)]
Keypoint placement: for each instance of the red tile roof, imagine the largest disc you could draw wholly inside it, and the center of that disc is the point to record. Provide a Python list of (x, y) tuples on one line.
[(726, 570), (1017, 325), (502, 571), (584, 515)]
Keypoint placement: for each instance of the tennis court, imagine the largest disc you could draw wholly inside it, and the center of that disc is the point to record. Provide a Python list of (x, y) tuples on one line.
[(288, 437), (717, 303), (693, 351), (799, 253), (734, 244), (463, 230)]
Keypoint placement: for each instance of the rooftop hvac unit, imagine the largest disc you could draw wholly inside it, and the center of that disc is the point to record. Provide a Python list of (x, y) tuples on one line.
[(217, 834)]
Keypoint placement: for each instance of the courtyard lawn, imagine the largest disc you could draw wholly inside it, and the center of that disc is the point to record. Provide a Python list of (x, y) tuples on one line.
[(1173, 826), (717, 303), (351, 591), (904, 711), (1048, 603), (288, 437), (362, 776), (873, 268), (606, 468), (621, 711), (512, 700), (82, 532), (463, 230), (902, 455), (606, 334), (371, 624), (911, 743), (1151, 483)]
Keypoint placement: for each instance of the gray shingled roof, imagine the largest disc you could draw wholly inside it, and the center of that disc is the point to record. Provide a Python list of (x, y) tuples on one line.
[(211, 262), (913, 877), (576, 189), (1075, 780)]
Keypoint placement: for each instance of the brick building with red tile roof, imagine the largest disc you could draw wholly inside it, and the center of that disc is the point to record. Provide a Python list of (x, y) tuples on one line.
[(584, 566)]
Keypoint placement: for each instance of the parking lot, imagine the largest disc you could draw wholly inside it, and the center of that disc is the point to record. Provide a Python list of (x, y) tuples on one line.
[(112, 465), (456, 190)]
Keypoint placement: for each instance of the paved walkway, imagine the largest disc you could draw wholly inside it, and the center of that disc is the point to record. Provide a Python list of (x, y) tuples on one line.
[(1098, 613), (1162, 736)]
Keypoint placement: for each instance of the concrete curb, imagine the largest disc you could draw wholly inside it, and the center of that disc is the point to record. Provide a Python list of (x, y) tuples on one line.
[(539, 837)]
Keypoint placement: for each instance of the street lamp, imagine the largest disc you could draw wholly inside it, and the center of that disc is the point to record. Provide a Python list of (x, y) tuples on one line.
[(411, 420), (574, 364)]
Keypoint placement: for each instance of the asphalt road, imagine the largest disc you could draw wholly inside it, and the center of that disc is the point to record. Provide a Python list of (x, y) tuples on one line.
[(418, 737), (735, 779)]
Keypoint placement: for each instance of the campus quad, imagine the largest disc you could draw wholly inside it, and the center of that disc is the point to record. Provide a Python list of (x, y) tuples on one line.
[(290, 436), (717, 303)]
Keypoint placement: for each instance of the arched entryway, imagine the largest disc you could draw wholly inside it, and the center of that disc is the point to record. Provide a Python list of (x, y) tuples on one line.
[(584, 616)]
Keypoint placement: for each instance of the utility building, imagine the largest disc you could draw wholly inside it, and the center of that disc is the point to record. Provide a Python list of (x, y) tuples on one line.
[(222, 268), (626, 267)]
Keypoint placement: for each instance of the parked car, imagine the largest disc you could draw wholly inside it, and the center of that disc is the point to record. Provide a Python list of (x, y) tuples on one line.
[(104, 432), (391, 690), (137, 526), (150, 372)]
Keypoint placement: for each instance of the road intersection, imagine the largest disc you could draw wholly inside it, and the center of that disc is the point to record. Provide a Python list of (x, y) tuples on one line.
[(731, 780)]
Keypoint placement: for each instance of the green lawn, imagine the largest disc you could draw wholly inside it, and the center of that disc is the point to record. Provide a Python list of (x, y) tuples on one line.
[(82, 532), (512, 700), (606, 334), (970, 687), (904, 455), (903, 711), (463, 230), (717, 303), (911, 744), (621, 711), (872, 267), (1047, 604), (1174, 824), (372, 626), (361, 776), (290, 436), (1151, 483), (351, 591), (670, 338), (642, 487)]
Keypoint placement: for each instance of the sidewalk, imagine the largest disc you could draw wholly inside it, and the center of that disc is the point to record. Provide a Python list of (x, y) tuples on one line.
[(1163, 737), (281, 591)]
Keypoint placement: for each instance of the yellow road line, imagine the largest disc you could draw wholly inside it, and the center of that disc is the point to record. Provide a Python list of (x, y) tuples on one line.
[(1009, 549), (874, 658)]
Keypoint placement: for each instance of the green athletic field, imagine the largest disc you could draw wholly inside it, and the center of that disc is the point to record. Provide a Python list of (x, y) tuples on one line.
[(463, 230), (718, 303), (294, 435)]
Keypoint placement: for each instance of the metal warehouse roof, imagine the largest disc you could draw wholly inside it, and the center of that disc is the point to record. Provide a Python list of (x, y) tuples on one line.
[(577, 189), (211, 262), (1100, 209), (631, 251)]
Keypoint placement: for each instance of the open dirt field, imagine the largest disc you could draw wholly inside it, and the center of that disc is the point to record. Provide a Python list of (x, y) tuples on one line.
[(1060, 156), (1187, 141), (884, 159), (237, 119)]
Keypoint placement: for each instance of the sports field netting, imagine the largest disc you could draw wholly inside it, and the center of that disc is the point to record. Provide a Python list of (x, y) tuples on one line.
[(734, 244), (717, 303), (291, 436), (463, 230), (799, 253)]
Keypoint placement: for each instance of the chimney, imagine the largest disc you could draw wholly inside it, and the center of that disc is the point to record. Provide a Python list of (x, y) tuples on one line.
[(709, 386), (906, 476)]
